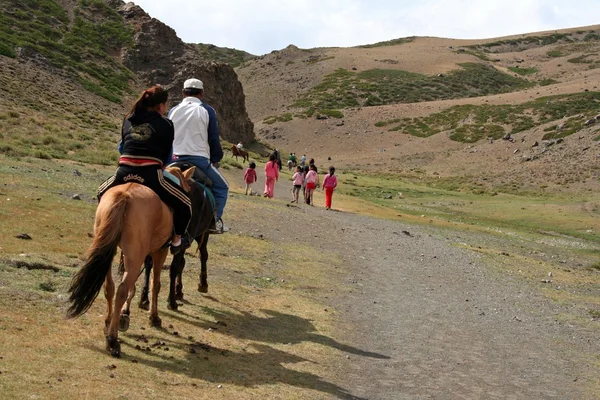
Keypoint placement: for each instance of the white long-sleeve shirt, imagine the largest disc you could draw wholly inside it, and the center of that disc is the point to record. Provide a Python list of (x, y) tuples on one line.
[(190, 119)]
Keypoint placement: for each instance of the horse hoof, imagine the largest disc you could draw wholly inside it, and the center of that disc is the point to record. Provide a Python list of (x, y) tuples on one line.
[(203, 288), (113, 346), (155, 322), (173, 306), (144, 305), (124, 323)]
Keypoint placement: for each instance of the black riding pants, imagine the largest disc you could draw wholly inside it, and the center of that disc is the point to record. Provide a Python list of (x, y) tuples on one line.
[(168, 191)]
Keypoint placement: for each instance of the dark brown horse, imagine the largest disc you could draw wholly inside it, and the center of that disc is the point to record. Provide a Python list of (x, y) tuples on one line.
[(235, 152), (130, 216), (203, 213)]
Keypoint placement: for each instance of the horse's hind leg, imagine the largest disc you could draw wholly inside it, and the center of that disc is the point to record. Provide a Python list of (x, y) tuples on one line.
[(158, 259), (174, 271), (132, 270), (109, 293), (203, 285), (124, 317), (144, 303)]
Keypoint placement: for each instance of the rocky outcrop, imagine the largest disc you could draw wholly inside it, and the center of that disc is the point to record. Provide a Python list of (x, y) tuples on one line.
[(159, 56)]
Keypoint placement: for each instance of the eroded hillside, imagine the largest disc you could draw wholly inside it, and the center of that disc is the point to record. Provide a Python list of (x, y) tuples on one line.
[(70, 68), (517, 111)]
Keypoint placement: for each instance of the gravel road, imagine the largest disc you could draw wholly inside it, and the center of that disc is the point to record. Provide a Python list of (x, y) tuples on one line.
[(434, 320)]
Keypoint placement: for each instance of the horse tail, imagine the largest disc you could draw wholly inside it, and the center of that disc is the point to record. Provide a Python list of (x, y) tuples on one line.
[(87, 282)]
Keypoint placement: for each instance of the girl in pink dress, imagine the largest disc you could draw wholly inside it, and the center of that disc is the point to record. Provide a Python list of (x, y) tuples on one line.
[(272, 175), (329, 184), (312, 180)]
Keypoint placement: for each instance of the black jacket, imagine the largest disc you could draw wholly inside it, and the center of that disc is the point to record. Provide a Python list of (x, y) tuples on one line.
[(147, 135)]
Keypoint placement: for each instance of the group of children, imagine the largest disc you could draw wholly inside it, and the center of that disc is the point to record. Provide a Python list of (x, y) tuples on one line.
[(305, 179)]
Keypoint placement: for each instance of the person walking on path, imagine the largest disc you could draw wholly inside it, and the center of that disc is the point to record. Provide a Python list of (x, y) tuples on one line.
[(312, 180), (197, 142), (272, 175), (329, 184), (303, 160), (250, 177), (297, 181)]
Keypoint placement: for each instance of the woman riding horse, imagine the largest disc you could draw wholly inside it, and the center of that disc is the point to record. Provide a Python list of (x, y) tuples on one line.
[(131, 215)]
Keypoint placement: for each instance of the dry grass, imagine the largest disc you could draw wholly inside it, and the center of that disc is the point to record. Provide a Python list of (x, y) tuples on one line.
[(260, 332)]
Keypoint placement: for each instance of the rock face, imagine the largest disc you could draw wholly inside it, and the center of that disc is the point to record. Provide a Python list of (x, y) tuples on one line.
[(159, 56)]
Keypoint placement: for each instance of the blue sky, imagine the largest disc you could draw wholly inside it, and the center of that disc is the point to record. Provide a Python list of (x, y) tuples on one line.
[(260, 26)]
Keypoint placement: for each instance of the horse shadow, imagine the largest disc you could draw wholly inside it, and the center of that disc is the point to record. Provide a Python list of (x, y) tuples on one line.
[(227, 367), (275, 327)]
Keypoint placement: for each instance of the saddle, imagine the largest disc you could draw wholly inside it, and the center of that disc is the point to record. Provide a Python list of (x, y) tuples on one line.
[(199, 175)]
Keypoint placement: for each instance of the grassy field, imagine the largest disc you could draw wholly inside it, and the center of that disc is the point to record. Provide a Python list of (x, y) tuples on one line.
[(261, 331)]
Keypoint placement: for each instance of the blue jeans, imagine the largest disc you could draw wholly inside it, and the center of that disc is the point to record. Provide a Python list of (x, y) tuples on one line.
[(220, 187)]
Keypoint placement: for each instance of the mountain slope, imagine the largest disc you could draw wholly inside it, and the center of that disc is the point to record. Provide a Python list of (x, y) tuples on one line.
[(394, 107), (70, 68)]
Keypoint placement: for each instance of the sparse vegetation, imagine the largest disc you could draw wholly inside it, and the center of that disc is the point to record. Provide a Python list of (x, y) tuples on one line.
[(554, 53), (392, 42), (547, 82), (529, 42), (79, 47), (343, 88), (523, 71), (233, 57), (469, 123)]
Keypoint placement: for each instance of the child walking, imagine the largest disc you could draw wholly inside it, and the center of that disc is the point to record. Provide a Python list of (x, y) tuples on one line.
[(312, 180), (297, 181), (250, 177), (272, 175), (329, 185)]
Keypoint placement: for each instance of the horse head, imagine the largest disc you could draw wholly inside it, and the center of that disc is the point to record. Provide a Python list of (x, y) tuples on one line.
[(183, 176)]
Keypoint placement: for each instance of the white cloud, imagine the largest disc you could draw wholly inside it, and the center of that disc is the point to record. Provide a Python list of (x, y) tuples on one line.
[(262, 26)]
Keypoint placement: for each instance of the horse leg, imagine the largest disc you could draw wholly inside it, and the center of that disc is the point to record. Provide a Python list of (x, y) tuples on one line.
[(144, 303), (179, 282), (109, 293), (132, 270), (203, 285), (174, 270), (158, 259), (124, 317)]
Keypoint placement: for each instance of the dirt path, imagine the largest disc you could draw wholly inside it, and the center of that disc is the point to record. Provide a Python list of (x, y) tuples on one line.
[(435, 321)]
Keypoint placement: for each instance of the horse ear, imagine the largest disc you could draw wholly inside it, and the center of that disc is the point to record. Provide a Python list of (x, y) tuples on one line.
[(188, 173)]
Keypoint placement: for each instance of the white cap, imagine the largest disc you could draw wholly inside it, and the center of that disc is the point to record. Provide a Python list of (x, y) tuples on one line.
[(193, 84)]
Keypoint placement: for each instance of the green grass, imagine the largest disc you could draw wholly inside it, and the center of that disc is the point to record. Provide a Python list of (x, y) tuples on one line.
[(493, 121), (278, 118), (583, 59), (555, 53), (344, 88), (523, 71), (471, 200), (474, 53), (80, 47), (547, 82)]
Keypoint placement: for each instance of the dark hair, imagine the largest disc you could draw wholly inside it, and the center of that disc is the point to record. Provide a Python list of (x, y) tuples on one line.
[(252, 165), (192, 91), (298, 168), (313, 167), (306, 168), (272, 157), (312, 161), (331, 171), (149, 98)]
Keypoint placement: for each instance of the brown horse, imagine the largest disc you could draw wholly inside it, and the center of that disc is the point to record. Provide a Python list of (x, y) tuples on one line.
[(235, 152), (132, 217)]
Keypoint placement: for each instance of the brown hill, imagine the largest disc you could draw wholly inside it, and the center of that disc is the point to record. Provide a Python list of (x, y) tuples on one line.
[(286, 88), (70, 68)]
